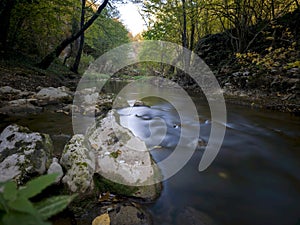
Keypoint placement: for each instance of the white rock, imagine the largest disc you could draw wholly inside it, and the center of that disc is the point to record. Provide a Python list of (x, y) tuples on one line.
[(53, 95), (23, 153), (55, 167), (129, 161), (79, 162)]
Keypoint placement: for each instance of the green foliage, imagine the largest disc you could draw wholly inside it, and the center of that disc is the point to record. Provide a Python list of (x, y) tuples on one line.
[(85, 61), (235, 17), (17, 208), (37, 26), (105, 34)]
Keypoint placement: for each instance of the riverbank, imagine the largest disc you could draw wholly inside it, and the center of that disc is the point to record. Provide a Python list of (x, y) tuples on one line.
[(280, 94)]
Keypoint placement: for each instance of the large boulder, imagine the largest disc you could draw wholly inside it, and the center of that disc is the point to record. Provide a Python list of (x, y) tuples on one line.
[(79, 162), (23, 153), (124, 158), (51, 95), (111, 154)]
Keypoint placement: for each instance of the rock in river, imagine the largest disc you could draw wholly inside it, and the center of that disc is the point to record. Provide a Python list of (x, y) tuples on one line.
[(79, 162), (123, 157), (51, 95), (116, 156), (23, 153)]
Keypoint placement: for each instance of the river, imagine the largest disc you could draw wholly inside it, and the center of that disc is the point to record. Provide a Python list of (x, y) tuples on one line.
[(254, 180)]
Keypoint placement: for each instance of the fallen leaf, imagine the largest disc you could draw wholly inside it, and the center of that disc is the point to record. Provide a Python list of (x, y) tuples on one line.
[(223, 175), (102, 220)]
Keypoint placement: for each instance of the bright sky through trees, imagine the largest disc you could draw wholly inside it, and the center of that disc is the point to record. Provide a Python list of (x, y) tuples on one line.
[(131, 18)]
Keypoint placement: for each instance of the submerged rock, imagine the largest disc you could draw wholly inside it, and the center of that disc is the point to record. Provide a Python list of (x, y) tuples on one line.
[(79, 163), (23, 153)]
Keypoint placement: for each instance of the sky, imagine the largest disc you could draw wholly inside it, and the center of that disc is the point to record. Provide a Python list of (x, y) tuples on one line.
[(131, 18)]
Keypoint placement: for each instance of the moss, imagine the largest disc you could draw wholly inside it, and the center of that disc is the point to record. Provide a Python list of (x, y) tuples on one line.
[(114, 154), (82, 164), (104, 185)]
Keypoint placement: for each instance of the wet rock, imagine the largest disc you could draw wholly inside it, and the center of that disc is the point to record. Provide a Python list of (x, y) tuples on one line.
[(124, 158), (121, 213), (55, 167), (20, 107), (23, 153), (53, 95), (129, 215), (79, 162)]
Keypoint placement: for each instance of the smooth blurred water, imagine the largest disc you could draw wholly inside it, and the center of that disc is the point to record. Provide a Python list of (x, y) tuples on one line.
[(254, 180)]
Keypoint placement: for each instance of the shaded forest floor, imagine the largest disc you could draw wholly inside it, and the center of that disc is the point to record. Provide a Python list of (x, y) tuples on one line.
[(21, 73)]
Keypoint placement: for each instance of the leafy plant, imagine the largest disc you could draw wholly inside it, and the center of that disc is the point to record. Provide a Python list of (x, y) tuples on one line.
[(17, 208)]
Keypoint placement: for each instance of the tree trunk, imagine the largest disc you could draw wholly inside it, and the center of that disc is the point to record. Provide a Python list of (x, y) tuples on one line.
[(81, 43), (184, 32), (7, 7), (186, 57), (46, 62), (273, 9)]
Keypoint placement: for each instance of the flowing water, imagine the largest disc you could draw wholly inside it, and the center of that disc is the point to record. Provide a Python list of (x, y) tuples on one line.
[(255, 179)]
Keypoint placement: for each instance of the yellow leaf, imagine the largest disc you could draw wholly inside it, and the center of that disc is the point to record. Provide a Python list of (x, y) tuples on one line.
[(102, 220), (223, 175)]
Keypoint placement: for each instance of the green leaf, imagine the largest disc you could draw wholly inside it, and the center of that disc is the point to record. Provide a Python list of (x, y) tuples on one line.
[(36, 185), (22, 219), (22, 205), (53, 205), (3, 205), (10, 190)]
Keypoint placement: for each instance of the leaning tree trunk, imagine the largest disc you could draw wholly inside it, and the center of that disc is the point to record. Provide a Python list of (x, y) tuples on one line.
[(46, 62), (81, 43)]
